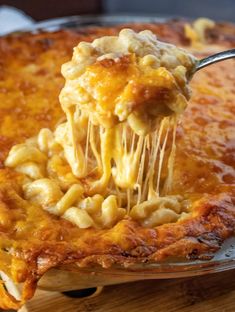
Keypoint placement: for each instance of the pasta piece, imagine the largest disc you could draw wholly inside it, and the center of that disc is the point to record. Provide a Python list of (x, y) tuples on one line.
[(79, 217), (106, 137), (144, 209), (161, 216), (92, 204), (59, 170), (22, 153), (69, 199), (66, 135), (32, 170), (201, 25), (44, 192), (110, 213), (46, 142), (197, 31)]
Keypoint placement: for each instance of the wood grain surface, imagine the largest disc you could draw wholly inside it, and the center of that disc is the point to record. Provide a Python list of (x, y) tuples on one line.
[(210, 293)]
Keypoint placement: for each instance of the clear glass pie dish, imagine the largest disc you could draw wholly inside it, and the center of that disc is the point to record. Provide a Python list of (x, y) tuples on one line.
[(71, 277)]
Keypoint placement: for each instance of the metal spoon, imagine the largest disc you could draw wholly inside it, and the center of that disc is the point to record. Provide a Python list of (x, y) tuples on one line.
[(218, 57)]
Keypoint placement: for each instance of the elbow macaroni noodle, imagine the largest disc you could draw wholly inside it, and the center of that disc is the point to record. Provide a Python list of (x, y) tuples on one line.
[(196, 32), (107, 160)]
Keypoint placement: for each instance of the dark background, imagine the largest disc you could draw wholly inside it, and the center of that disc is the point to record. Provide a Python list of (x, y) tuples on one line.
[(44, 9), (215, 9)]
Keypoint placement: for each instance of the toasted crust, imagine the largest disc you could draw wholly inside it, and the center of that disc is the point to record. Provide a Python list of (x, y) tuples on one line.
[(32, 241)]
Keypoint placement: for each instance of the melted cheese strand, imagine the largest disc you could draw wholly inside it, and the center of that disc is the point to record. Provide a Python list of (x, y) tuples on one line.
[(148, 191), (145, 188), (151, 192), (94, 149), (119, 197), (162, 154), (124, 137), (78, 162), (106, 138), (171, 159), (87, 143), (71, 126), (154, 152), (133, 142), (128, 193), (141, 172), (137, 155)]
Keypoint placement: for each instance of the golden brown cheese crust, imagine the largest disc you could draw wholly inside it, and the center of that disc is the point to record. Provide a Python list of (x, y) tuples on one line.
[(32, 240)]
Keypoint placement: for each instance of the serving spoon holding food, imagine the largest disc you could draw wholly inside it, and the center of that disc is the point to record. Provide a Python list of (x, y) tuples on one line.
[(218, 57)]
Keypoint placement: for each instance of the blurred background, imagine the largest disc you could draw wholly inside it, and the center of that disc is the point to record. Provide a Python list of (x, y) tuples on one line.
[(45, 9), (42, 9), (217, 9)]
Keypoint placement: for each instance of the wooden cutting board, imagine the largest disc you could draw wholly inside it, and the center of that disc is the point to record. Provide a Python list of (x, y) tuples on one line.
[(209, 293)]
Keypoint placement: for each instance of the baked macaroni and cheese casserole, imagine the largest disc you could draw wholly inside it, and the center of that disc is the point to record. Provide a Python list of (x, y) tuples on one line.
[(119, 156)]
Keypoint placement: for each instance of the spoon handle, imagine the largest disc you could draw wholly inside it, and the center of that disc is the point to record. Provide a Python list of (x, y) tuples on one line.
[(215, 58)]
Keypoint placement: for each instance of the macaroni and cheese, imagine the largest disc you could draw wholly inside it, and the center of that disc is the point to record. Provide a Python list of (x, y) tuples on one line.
[(66, 209), (122, 98)]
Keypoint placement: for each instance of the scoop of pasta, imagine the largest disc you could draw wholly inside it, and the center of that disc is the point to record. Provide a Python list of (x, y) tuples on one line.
[(122, 98), (131, 77)]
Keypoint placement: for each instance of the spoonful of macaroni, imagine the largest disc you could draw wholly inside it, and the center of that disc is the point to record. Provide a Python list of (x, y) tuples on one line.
[(132, 77), (122, 97)]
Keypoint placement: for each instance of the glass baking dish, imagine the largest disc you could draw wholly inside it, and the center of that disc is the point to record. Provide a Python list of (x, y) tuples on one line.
[(71, 277)]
